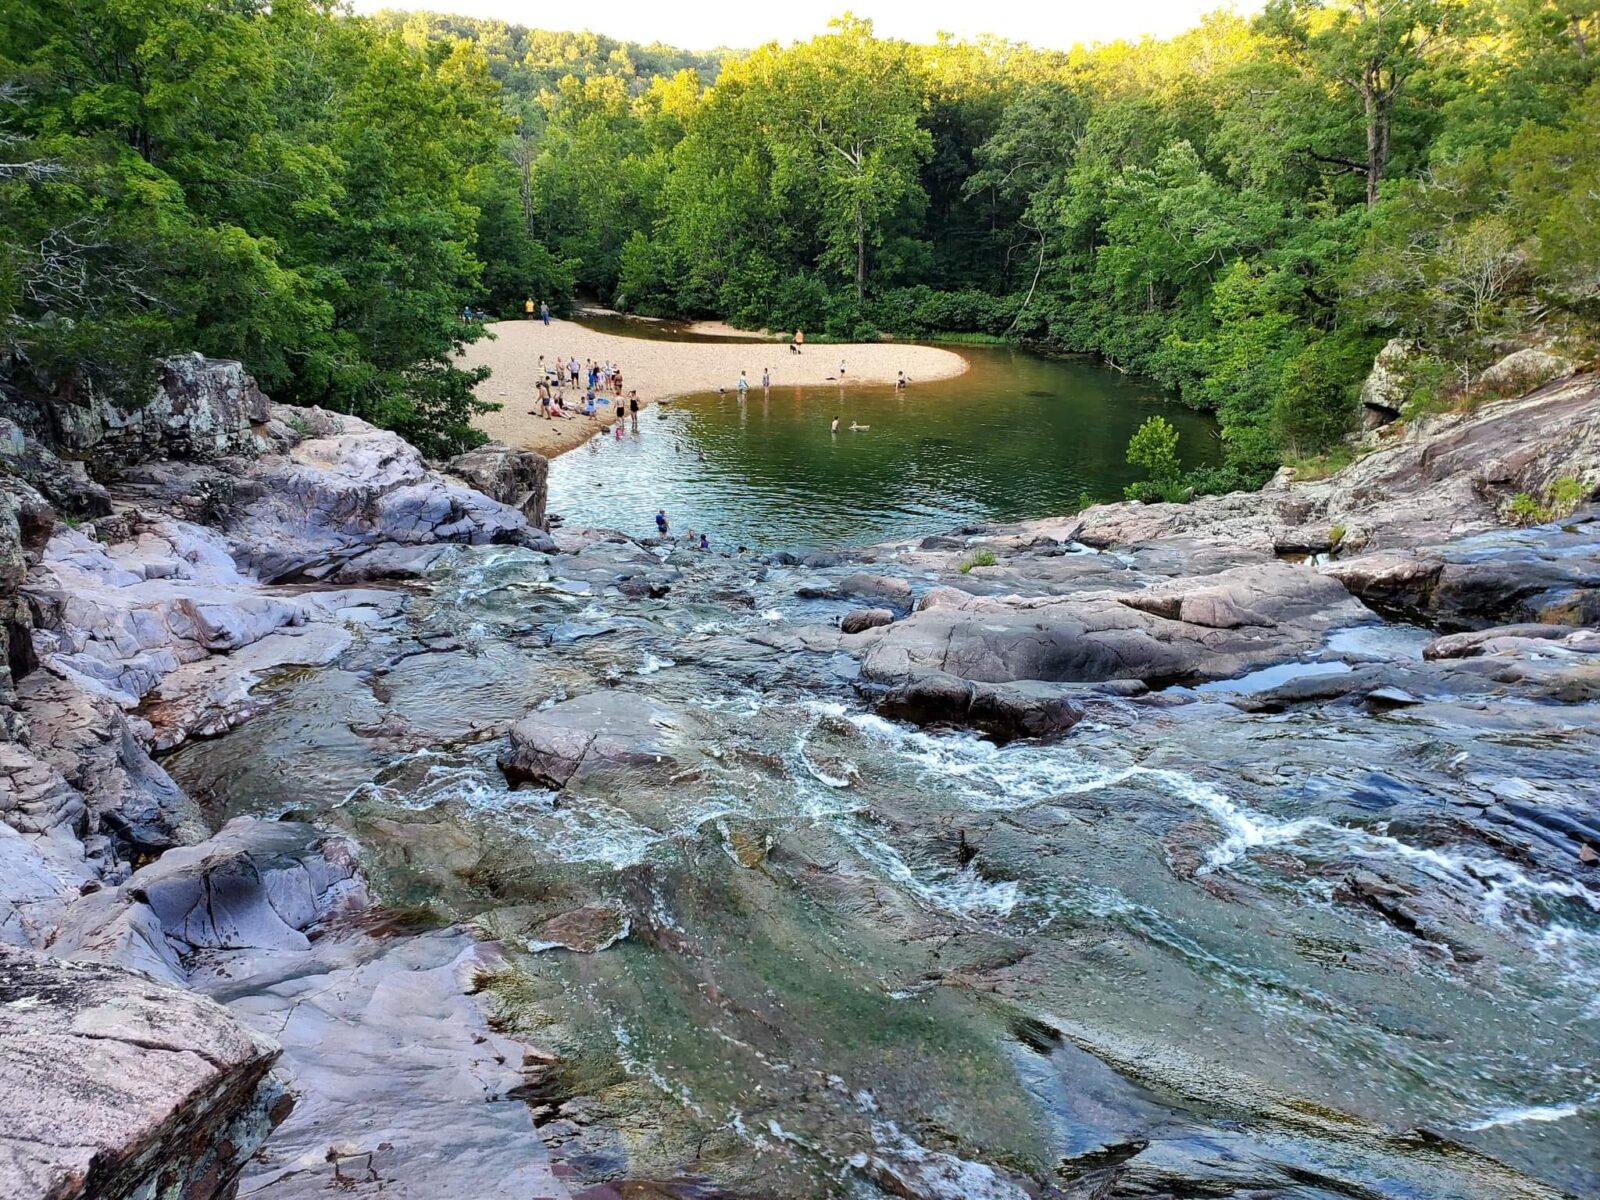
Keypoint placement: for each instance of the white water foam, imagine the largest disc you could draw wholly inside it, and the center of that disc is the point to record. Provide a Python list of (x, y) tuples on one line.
[(1538, 1113)]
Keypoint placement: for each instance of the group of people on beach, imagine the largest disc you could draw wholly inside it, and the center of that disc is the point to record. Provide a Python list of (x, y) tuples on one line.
[(598, 384)]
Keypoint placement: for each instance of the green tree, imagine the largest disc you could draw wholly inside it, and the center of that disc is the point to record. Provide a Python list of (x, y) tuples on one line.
[(1154, 447)]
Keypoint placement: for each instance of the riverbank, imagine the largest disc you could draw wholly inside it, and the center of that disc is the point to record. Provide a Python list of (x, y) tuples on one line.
[(661, 370)]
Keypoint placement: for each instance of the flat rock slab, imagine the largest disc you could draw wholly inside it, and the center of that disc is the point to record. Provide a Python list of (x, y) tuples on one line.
[(602, 731), (112, 1085), (402, 1088)]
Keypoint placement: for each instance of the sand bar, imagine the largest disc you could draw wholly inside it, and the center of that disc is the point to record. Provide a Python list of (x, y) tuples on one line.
[(661, 370)]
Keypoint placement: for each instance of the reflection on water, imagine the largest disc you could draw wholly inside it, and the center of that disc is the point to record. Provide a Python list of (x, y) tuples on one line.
[(1017, 436)]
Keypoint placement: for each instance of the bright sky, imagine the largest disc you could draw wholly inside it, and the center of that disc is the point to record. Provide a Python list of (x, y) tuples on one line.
[(701, 26)]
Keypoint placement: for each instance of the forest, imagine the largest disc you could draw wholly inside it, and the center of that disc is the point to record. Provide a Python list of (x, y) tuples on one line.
[(1245, 213)]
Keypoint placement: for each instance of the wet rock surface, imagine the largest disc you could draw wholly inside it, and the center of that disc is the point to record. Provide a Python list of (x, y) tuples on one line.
[(1142, 862)]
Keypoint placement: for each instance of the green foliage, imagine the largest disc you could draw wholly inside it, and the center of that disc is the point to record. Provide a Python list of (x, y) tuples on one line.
[(1560, 500), (979, 558), (1244, 212), (1154, 447), (1565, 496), (1525, 510)]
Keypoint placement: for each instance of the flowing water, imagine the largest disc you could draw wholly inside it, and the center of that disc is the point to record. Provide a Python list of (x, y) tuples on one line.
[(852, 958), (839, 956), (1017, 436)]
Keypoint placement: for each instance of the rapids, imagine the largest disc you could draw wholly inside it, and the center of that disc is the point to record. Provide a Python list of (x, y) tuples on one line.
[(851, 957)]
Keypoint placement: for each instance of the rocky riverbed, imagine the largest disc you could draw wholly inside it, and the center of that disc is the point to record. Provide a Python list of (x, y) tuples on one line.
[(1243, 848)]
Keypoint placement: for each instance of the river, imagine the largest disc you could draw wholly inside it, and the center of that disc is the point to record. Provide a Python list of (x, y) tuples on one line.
[(1019, 435), (831, 955)]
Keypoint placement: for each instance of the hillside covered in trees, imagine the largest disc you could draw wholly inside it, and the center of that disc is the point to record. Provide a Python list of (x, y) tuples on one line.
[(1246, 212)]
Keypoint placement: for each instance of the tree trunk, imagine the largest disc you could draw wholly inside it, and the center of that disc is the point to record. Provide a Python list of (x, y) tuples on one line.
[(1374, 165), (526, 190), (861, 254)]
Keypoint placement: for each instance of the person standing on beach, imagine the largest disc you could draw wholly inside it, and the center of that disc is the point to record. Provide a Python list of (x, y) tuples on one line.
[(527, 308), (798, 341), (544, 312), (841, 368)]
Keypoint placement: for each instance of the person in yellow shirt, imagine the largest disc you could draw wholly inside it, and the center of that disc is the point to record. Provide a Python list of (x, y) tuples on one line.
[(527, 308)]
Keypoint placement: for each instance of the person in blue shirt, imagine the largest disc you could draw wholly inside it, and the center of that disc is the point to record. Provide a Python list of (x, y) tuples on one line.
[(544, 312), (661, 521)]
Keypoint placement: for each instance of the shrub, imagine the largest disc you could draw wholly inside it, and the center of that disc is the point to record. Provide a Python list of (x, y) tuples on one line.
[(1565, 496), (1154, 446), (980, 558), (1525, 510)]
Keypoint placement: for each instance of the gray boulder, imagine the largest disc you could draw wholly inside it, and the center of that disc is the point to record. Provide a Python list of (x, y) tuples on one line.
[(202, 409), (1383, 393), (1177, 631), (403, 1088), (1003, 711), (514, 477), (601, 732), (256, 885), (896, 593), (1524, 370), (116, 1087), (862, 619)]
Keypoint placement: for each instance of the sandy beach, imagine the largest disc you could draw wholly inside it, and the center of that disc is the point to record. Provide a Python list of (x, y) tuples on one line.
[(660, 370)]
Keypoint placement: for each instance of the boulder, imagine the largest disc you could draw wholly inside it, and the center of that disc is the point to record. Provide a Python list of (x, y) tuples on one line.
[(202, 409), (64, 484), (1548, 576), (896, 593), (514, 477), (862, 619), (1524, 370), (1492, 641), (126, 795), (1003, 711), (1184, 630), (1383, 392), (584, 930), (601, 732), (116, 1087), (256, 885)]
